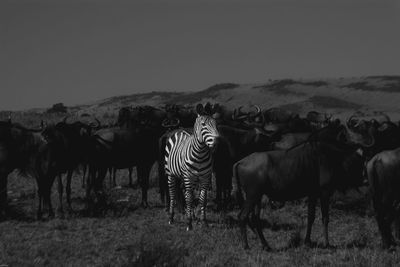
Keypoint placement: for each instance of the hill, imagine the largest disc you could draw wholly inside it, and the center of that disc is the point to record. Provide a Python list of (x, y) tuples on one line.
[(340, 96)]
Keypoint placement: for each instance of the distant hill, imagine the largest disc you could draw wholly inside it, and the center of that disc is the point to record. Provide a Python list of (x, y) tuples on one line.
[(339, 96)]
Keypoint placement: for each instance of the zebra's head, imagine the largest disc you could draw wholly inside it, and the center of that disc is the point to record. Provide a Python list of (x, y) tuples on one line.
[(205, 127)]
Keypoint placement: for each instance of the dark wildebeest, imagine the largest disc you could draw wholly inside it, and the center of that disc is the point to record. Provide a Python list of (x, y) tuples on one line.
[(235, 144), (281, 121), (179, 116), (136, 145), (27, 151), (313, 169), (384, 183), (69, 143), (385, 132), (318, 120)]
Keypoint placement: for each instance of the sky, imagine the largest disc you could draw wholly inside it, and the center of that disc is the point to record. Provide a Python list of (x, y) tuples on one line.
[(77, 52)]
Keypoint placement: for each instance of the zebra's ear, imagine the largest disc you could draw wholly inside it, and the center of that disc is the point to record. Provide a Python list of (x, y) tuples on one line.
[(199, 109)]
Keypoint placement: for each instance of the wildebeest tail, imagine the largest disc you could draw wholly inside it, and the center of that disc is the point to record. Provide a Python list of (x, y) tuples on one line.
[(372, 178), (236, 186)]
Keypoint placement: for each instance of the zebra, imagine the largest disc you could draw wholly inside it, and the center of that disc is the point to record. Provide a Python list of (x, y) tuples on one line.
[(188, 157)]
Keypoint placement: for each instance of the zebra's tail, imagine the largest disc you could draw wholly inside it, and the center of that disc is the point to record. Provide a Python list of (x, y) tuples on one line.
[(236, 186)]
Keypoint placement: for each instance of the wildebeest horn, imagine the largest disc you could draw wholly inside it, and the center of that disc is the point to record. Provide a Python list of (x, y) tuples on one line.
[(359, 139), (328, 117), (349, 120), (240, 110), (95, 125), (234, 114), (257, 108), (257, 113), (370, 144), (65, 119), (165, 123), (386, 117), (177, 122)]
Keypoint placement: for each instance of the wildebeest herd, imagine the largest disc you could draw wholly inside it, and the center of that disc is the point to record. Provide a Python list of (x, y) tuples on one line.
[(257, 152)]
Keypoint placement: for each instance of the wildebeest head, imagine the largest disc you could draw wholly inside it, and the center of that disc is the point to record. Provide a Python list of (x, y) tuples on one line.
[(178, 115), (205, 127), (384, 132), (318, 120)]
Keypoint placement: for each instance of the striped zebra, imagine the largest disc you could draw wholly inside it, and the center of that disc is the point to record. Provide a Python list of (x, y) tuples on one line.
[(188, 157)]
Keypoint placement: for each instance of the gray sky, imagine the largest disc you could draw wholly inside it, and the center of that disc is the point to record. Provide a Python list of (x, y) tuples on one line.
[(79, 51)]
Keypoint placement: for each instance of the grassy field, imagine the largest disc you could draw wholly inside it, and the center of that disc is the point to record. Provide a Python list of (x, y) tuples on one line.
[(129, 235)]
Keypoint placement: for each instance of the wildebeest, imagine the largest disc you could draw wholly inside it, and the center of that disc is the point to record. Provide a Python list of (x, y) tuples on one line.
[(384, 183), (235, 144), (385, 132), (313, 169), (318, 120), (27, 151), (136, 144), (179, 116), (69, 143)]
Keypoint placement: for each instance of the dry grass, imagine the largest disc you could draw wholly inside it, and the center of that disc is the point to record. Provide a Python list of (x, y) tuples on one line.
[(133, 236)]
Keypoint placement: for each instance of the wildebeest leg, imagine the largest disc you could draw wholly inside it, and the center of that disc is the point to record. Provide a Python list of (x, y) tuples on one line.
[(89, 181), (143, 172), (163, 185), (257, 224), (68, 189), (384, 228), (205, 183), (172, 189), (39, 212), (219, 189), (383, 221), (49, 180), (189, 204), (325, 215), (39, 183), (3, 194), (83, 175), (109, 177), (243, 217), (312, 202), (114, 179), (60, 195), (89, 186), (397, 225), (130, 169)]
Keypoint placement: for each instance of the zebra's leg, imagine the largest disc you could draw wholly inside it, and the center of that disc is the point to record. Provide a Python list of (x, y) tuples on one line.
[(171, 187), (189, 203), (204, 185)]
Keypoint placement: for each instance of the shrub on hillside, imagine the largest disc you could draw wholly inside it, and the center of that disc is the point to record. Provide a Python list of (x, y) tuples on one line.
[(57, 108)]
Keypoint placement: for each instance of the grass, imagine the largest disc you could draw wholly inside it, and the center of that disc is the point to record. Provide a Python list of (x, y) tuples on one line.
[(142, 237)]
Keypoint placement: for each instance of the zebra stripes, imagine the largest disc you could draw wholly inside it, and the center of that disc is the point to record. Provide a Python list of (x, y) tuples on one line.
[(188, 157)]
